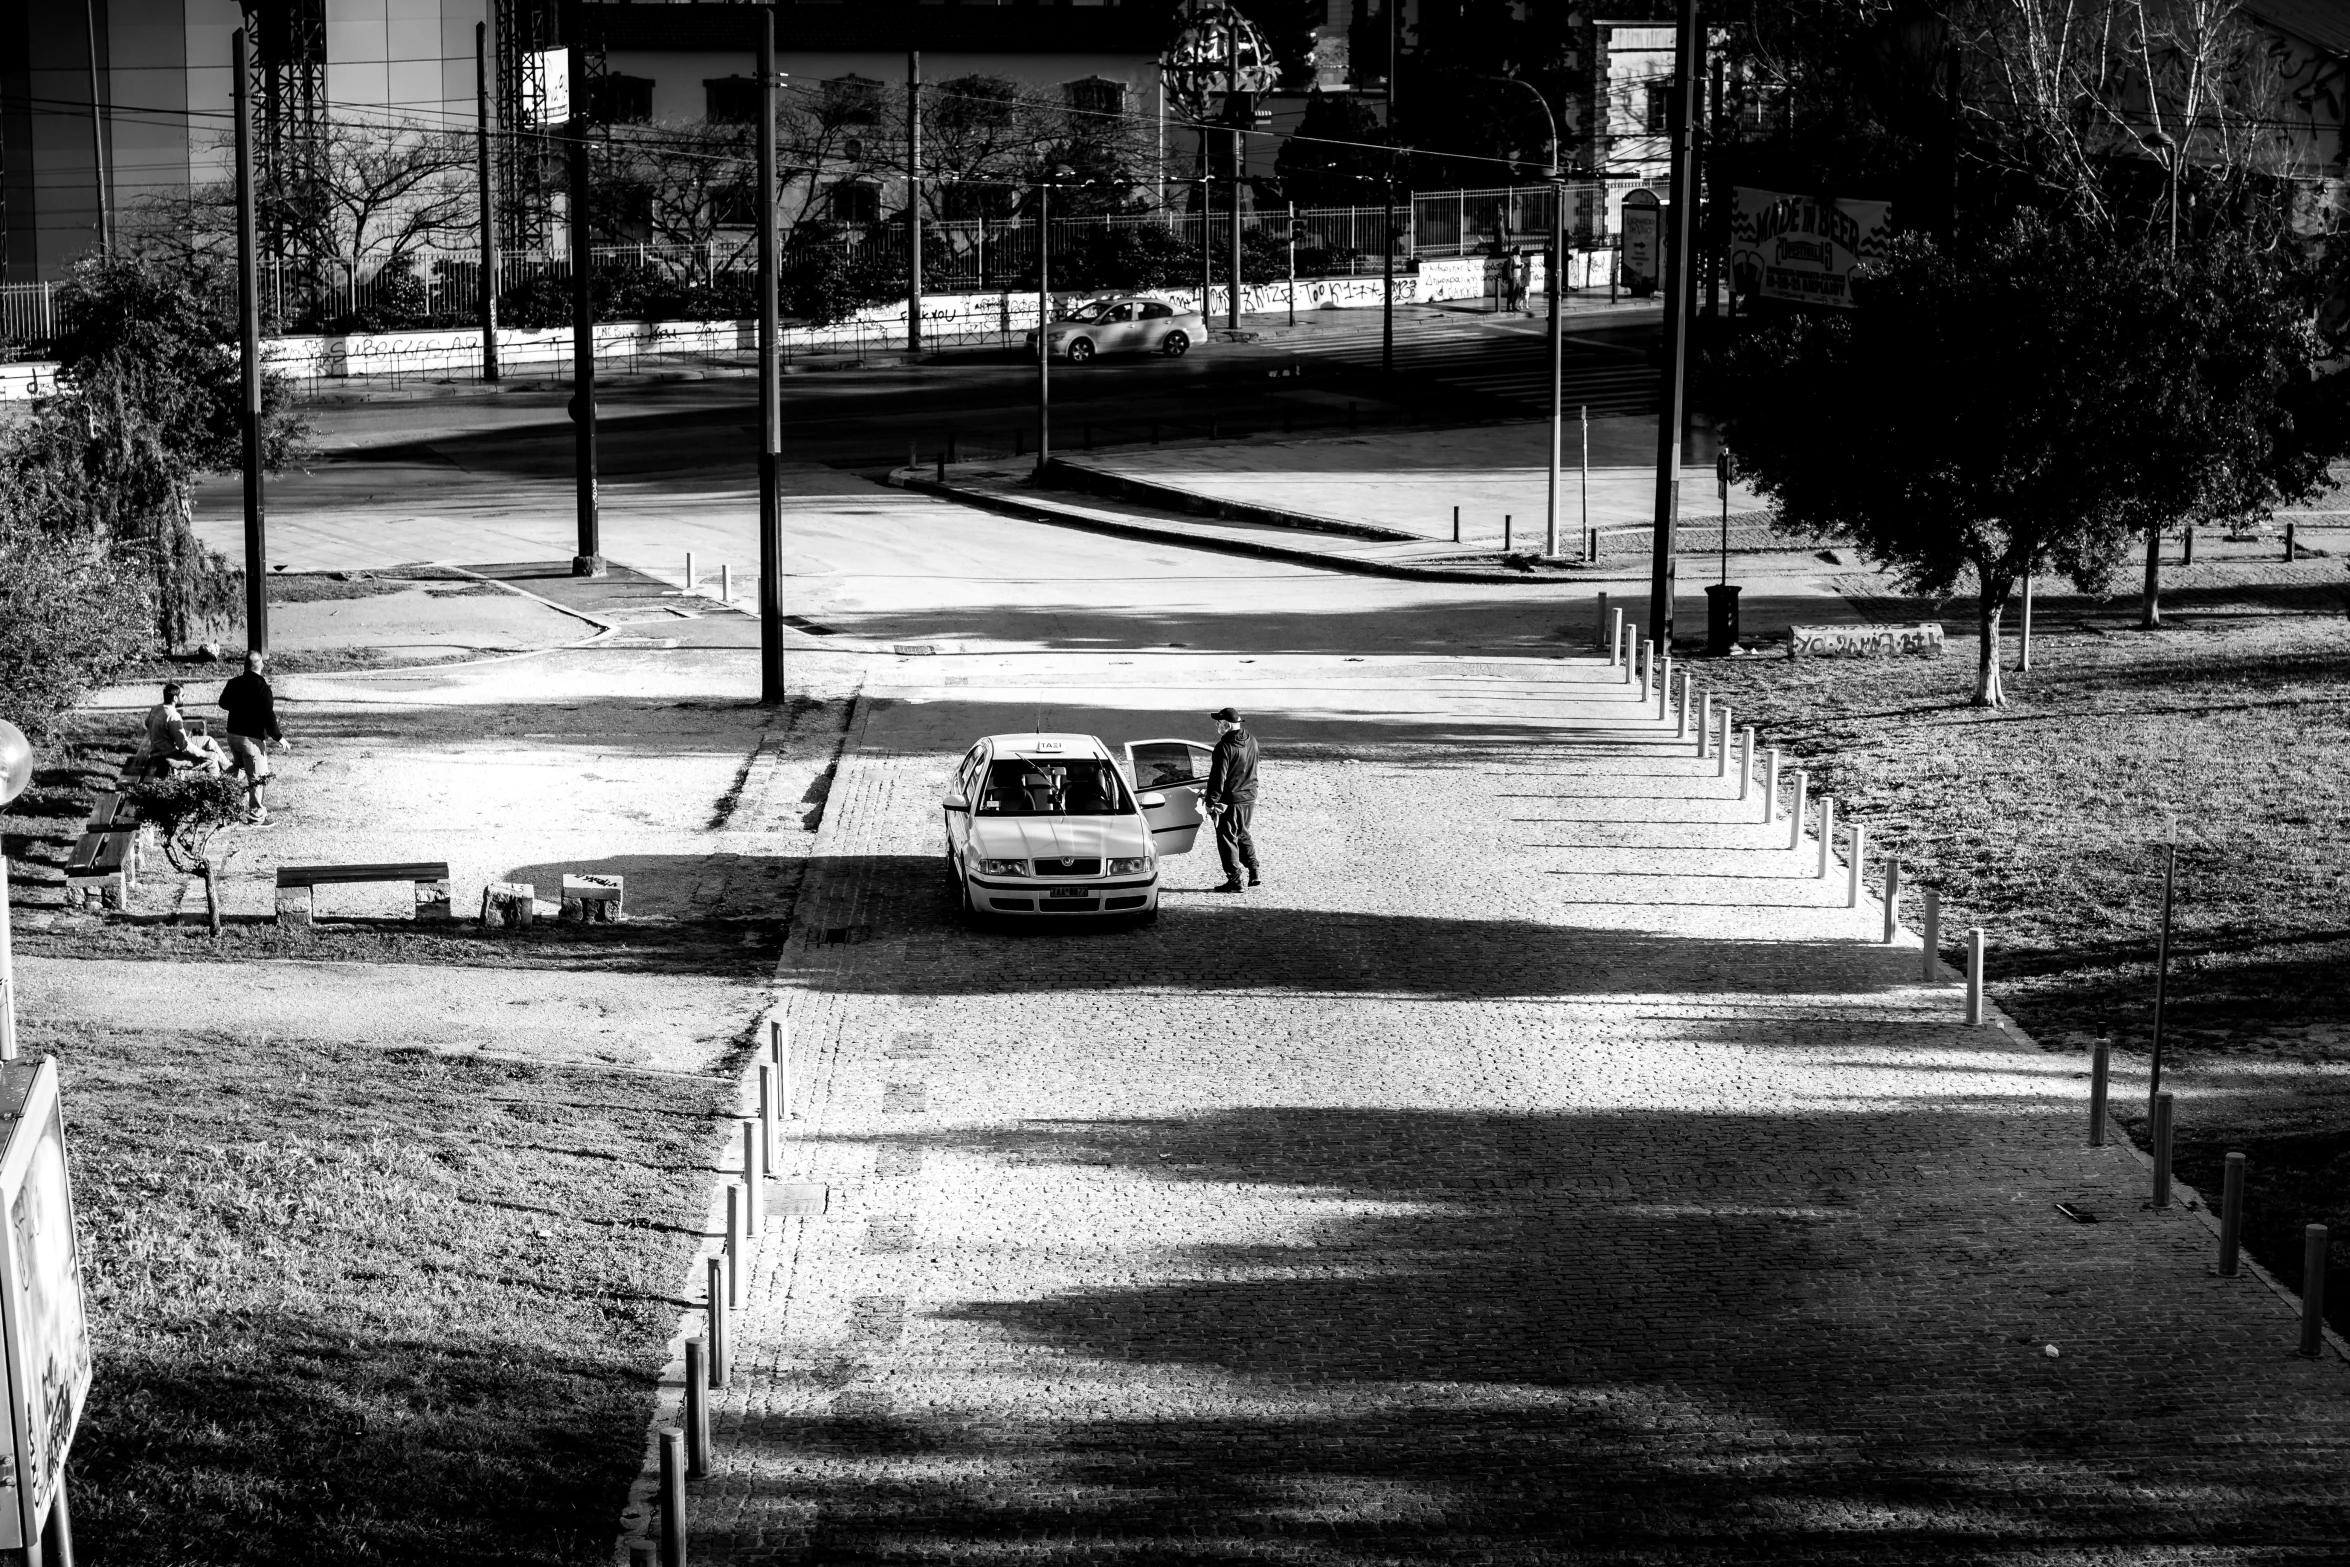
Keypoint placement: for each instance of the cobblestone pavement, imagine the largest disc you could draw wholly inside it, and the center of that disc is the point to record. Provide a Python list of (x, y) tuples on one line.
[(1541, 1167)]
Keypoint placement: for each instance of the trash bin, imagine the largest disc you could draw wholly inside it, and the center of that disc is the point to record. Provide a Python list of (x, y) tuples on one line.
[(1721, 618)]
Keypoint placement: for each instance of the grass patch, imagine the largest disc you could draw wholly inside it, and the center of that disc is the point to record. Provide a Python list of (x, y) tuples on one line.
[(2043, 823), (353, 1305)]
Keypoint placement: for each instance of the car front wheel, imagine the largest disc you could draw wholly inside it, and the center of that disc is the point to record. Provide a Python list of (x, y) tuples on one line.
[(1081, 350), (1176, 345)]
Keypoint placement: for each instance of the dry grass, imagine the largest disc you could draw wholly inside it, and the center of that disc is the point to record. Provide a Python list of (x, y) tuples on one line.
[(359, 1306), (2043, 824)]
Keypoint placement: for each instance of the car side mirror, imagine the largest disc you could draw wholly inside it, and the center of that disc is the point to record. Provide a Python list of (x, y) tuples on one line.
[(955, 802), (1149, 800)]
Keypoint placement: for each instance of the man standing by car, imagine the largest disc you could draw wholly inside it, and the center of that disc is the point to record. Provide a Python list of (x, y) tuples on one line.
[(1232, 797), (252, 723)]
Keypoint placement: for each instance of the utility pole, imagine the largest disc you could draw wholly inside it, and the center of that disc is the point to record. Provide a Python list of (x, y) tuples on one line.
[(1715, 254), (1387, 256), (1207, 235), (489, 211), (1237, 113), (771, 688), (1044, 312), (913, 198), (1679, 249), (98, 134), (249, 355), (589, 561)]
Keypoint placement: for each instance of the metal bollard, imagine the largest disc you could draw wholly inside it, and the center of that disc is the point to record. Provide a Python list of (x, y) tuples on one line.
[(690, 577), (1705, 725), (1631, 635), (734, 1245), (2313, 1288), (1745, 760), (2100, 1085), (1599, 627), (1827, 837), (1505, 533), (2162, 1133), (2231, 1216), (769, 1153), (1615, 634), (1688, 696), (1722, 751), (1974, 976), (1798, 797), (942, 467), (754, 1210), (1770, 794), (1664, 688), (1647, 668), (1931, 930), (2289, 556), (725, 583), (697, 1410), (1853, 872), (1892, 899), (1456, 525), (673, 1498), (716, 1311), (779, 1051)]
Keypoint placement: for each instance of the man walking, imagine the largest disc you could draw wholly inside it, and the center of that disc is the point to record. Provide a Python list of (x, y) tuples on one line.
[(252, 723), (1232, 797)]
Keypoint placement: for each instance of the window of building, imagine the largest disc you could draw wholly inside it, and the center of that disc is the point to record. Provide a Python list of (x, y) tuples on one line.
[(731, 100), (1097, 95), (621, 100), (852, 201), (734, 206), (1657, 112)]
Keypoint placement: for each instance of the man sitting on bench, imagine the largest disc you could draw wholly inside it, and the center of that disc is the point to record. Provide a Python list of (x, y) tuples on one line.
[(168, 748)]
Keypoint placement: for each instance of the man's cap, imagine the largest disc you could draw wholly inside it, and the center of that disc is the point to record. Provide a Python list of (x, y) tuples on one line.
[(1225, 715)]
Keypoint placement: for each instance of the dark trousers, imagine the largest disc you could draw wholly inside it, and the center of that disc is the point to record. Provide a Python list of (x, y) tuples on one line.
[(1232, 840)]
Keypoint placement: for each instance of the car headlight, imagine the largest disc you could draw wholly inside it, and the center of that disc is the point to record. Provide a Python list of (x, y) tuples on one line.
[(1133, 867), (1003, 867)]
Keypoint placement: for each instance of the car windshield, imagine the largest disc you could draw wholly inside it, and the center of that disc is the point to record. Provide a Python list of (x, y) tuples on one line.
[(1083, 787), (1091, 310)]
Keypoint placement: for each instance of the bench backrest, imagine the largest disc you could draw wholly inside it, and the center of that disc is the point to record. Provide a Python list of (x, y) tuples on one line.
[(331, 875)]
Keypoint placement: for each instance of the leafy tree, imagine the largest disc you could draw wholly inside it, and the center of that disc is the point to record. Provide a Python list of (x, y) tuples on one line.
[(1453, 101), (70, 618), (187, 810), (1334, 159), (2027, 408)]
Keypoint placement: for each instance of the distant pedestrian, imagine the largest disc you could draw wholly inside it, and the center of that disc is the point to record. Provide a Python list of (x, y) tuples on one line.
[(1521, 278), (167, 746), (1232, 798), (252, 724)]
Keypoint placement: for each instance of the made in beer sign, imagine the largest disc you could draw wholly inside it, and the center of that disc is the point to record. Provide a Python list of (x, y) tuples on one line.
[(1803, 248)]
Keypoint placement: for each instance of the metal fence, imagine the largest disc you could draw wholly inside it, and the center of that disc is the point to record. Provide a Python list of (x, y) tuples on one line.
[(972, 255)]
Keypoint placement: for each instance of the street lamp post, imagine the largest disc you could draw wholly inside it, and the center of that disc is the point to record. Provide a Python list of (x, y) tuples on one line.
[(16, 772), (1558, 325)]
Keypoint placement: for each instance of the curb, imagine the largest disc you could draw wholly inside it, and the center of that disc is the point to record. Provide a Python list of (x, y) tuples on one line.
[(1046, 512), (1077, 476)]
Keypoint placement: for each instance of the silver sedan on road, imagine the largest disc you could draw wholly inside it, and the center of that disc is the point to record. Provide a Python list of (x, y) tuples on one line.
[(1122, 323)]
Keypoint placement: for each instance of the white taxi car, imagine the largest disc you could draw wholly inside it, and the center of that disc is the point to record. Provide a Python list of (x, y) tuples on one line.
[(1051, 824), (1120, 324)]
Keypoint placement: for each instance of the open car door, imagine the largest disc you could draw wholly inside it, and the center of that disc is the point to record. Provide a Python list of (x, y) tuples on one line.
[(1177, 769)]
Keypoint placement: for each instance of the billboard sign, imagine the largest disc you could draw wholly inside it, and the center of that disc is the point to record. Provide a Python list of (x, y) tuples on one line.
[(42, 1320), (1644, 242), (1803, 248), (546, 86)]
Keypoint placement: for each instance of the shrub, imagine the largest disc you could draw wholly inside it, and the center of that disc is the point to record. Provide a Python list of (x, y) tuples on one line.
[(70, 617)]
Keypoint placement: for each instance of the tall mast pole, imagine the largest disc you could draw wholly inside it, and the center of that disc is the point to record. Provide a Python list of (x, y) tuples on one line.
[(913, 201), (589, 561), (249, 357), (1678, 252), (489, 210)]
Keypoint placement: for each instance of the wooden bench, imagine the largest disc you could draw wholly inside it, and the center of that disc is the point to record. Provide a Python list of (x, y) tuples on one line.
[(294, 883), (102, 869)]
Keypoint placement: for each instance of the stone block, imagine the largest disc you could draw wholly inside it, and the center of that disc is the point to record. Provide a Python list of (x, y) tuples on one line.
[(511, 904), (432, 900), (293, 906)]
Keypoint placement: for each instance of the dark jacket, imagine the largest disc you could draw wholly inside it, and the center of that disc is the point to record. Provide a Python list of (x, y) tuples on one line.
[(251, 707), (1232, 776)]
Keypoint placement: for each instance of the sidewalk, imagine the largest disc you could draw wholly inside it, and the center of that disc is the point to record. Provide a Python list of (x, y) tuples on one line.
[(1541, 1163)]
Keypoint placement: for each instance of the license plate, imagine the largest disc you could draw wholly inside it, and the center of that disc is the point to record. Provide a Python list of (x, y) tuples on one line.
[(1069, 892)]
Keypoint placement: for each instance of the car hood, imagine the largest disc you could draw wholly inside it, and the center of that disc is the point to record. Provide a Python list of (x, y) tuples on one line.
[(1058, 837)]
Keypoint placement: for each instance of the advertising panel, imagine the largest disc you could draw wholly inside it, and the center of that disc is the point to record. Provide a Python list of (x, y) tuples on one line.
[(1644, 243), (1802, 248), (41, 1311)]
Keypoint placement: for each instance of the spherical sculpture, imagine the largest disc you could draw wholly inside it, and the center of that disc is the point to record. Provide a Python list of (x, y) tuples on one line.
[(1215, 49)]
